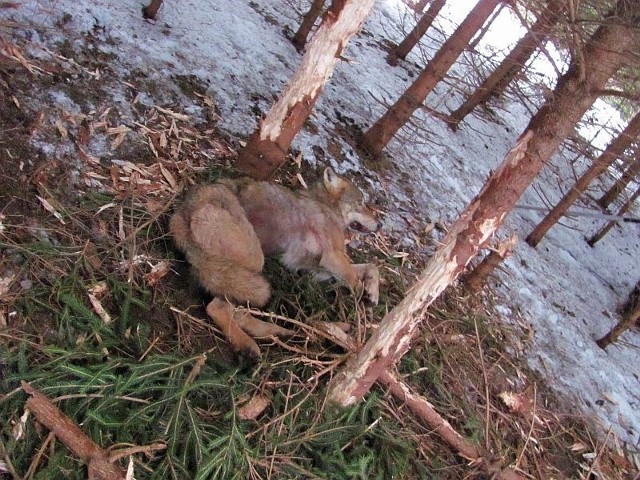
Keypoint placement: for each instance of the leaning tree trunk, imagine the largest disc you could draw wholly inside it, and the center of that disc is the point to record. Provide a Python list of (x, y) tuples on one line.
[(410, 41), (609, 225), (151, 10), (377, 137), (605, 52), (419, 5), (477, 278), (268, 145), (614, 150), (512, 64), (630, 315), (620, 184), (485, 28), (300, 38)]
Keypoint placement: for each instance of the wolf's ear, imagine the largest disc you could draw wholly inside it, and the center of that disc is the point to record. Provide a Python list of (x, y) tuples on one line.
[(332, 181)]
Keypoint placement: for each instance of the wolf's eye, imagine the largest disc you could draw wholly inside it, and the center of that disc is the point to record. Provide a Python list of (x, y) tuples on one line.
[(355, 225)]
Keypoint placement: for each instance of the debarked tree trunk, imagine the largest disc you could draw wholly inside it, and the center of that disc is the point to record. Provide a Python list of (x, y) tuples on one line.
[(267, 148), (606, 51)]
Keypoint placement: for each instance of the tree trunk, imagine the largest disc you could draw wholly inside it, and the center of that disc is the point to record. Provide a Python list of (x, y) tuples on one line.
[(151, 10), (575, 92), (268, 145), (620, 184), (417, 33), (604, 230), (477, 278), (300, 38), (614, 150), (485, 28), (377, 137), (512, 64), (419, 5), (630, 315)]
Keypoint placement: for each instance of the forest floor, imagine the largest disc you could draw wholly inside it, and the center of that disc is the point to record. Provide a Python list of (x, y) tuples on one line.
[(98, 311)]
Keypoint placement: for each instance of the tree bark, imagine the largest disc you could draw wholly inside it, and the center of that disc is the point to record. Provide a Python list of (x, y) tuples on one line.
[(151, 10), (630, 315), (410, 41), (300, 38), (620, 184), (477, 278), (605, 52), (613, 151), (97, 460), (485, 28), (377, 137), (268, 145), (512, 64), (609, 225), (419, 5)]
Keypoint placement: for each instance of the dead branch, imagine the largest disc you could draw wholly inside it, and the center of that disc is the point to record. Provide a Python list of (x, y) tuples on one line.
[(422, 409), (96, 459), (477, 278)]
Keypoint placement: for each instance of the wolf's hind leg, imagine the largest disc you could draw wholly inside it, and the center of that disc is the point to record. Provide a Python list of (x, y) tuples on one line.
[(221, 312)]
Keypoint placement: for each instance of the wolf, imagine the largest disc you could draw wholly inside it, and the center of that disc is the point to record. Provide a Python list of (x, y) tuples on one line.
[(226, 229)]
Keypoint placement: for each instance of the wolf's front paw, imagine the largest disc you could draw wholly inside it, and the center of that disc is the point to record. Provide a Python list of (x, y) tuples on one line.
[(371, 283)]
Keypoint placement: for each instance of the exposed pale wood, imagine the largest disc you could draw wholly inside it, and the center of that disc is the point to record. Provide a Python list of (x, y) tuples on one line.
[(606, 51), (267, 147)]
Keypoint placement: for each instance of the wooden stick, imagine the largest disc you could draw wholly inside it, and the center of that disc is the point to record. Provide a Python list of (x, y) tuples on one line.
[(96, 459)]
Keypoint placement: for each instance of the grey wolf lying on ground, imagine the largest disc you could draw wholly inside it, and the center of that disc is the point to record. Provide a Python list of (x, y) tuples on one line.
[(226, 229)]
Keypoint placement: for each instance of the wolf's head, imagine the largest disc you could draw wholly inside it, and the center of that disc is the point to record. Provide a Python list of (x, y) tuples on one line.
[(341, 193)]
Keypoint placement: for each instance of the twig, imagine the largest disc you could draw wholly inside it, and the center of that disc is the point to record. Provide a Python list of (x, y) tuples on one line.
[(486, 386), (33, 466), (533, 422), (595, 460)]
